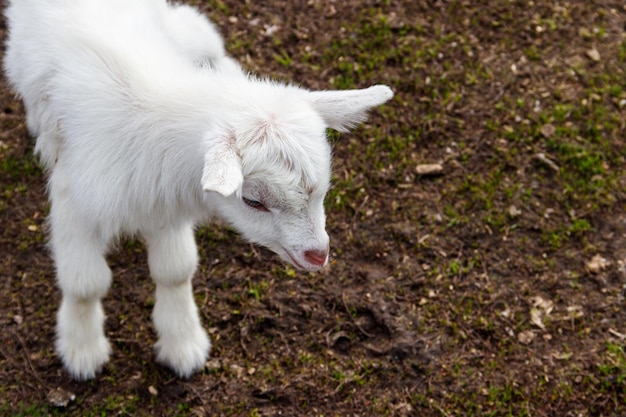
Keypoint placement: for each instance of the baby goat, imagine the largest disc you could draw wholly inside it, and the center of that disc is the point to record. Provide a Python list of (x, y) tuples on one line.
[(146, 127)]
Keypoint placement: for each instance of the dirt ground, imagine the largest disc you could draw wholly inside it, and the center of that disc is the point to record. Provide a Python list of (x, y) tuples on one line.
[(494, 287)]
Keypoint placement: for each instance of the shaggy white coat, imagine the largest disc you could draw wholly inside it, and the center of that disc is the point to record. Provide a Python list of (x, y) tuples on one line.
[(146, 127)]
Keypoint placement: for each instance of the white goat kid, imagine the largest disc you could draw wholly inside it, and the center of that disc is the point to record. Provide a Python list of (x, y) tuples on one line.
[(146, 127)]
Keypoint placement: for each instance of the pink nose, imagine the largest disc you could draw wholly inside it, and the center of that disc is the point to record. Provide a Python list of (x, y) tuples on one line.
[(316, 257)]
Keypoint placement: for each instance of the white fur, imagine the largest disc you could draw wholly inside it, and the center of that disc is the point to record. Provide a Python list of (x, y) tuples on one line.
[(147, 127)]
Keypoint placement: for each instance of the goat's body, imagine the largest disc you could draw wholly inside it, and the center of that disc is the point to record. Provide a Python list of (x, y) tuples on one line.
[(153, 131), (146, 126)]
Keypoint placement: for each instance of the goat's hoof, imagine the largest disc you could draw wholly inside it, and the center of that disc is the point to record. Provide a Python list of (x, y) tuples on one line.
[(84, 361), (184, 356)]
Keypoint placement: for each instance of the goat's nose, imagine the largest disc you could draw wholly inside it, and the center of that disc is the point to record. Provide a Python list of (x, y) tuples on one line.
[(316, 257)]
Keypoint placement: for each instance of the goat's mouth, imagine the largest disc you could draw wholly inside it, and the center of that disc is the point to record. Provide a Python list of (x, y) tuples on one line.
[(288, 257), (294, 262)]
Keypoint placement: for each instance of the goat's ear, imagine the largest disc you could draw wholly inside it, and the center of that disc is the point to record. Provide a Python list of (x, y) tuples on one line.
[(344, 109), (222, 171)]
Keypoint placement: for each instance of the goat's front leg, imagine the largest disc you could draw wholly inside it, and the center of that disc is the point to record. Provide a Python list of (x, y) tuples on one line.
[(183, 344), (84, 278)]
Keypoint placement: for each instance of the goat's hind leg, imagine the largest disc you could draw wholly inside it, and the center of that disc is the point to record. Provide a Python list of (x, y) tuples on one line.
[(183, 344), (84, 278)]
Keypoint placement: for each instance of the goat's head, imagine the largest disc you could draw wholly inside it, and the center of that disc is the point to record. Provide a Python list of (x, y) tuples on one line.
[(274, 166)]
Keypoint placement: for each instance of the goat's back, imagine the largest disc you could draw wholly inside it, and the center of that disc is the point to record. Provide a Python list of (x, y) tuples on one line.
[(86, 41), (108, 96)]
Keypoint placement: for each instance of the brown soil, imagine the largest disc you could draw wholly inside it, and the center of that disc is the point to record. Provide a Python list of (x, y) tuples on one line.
[(472, 292)]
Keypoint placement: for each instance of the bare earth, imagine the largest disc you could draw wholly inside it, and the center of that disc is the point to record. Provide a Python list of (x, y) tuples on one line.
[(494, 287)]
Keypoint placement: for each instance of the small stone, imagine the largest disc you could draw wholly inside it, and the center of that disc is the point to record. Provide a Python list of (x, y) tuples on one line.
[(59, 397), (593, 54), (153, 391), (548, 130), (429, 169), (526, 337)]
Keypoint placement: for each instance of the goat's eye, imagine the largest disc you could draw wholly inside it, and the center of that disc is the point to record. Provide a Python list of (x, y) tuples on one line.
[(257, 205)]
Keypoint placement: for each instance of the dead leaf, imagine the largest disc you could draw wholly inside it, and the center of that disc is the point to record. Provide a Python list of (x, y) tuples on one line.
[(536, 318), (514, 211), (542, 303), (562, 356), (213, 364), (585, 33), (541, 308), (615, 333), (239, 371), (597, 264), (574, 312), (550, 163), (575, 61), (337, 338), (506, 313)]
